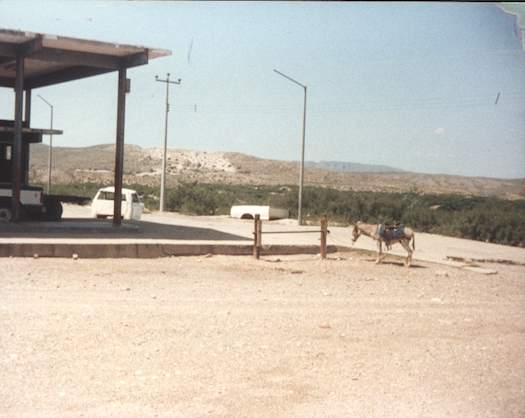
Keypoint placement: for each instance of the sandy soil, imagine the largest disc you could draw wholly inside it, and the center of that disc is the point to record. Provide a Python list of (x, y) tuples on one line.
[(236, 337)]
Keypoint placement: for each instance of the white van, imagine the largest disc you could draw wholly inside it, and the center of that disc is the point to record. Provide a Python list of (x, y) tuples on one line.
[(102, 205)]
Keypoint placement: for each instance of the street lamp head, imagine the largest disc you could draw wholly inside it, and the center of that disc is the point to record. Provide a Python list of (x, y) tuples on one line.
[(45, 101), (156, 77)]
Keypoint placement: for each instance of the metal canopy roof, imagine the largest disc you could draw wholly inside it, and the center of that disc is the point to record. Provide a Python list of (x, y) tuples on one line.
[(52, 59)]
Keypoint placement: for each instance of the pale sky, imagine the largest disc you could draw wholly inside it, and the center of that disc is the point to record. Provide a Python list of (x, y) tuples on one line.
[(411, 85)]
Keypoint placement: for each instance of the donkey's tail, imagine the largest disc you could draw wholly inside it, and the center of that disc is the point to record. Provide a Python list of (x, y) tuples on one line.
[(414, 242)]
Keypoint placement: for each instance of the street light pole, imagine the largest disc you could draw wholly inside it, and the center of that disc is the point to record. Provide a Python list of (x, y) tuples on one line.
[(50, 151), (163, 172), (301, 170)]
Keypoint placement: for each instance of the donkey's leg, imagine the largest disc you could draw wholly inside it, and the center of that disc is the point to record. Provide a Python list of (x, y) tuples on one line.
[(379, 251), (406, 246)]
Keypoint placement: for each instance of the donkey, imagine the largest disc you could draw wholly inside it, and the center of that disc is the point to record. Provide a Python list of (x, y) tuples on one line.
[(378, 233)]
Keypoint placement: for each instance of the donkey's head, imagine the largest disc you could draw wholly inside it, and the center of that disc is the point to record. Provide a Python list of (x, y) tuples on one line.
[(355, 233)]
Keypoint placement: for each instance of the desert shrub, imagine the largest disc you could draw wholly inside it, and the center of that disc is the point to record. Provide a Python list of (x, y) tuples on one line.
[(480, 218)]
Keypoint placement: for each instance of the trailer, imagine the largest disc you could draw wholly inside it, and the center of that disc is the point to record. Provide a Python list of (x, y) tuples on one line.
[(265, 212), (34, 203)]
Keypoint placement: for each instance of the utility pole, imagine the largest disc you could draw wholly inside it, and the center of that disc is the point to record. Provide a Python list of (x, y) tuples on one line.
[(301, 171), (163, 173), (50, 151)]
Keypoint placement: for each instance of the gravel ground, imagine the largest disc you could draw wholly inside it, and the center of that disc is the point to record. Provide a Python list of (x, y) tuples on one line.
[(235, 337)]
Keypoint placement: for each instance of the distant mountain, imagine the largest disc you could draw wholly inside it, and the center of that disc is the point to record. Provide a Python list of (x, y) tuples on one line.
[(342, 166), (143, 166)]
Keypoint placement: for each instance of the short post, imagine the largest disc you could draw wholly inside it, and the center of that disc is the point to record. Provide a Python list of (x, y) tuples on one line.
[(324, 233), (257, 230), (259, 235)]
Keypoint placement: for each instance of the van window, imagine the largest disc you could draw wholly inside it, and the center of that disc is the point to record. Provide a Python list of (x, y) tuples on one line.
[(109, 196), (135, 198), (106, 196)]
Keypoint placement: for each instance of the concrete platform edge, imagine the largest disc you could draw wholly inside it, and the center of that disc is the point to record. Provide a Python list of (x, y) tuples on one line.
[(146, 250)]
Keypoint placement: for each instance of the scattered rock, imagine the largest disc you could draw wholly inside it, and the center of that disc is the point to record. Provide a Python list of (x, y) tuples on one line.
[(436, 300), (75, 256), (35, 255), (441, 273), (325, 326), (480, 270)]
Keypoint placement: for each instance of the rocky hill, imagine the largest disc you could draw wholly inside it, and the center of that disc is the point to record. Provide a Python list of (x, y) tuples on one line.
[(351, 167), (142, 165)]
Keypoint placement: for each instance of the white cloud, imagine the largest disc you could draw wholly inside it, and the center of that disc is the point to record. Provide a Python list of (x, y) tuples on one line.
[(439, 131)]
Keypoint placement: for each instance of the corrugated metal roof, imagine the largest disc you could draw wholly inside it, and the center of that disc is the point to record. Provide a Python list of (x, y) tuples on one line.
[(51, 59)]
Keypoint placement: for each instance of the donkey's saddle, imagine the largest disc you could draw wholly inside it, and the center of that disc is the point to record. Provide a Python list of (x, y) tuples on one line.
[(391, 232)]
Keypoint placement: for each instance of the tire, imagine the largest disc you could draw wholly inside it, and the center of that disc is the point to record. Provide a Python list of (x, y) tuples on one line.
[(6, 215), (53, 209)]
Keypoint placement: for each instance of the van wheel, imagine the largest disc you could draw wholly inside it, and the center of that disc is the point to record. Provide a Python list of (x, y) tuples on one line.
[(53, 209), (5, 215)]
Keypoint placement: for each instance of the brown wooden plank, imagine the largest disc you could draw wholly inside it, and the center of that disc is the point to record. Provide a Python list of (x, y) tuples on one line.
[(135, 60), (17, 144), (77, 58), (7, 49), (7, 82), (30, 47), (65, 75), (119, 149)]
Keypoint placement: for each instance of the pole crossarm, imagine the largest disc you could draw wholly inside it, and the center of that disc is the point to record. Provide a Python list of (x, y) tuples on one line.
[(167, 80)]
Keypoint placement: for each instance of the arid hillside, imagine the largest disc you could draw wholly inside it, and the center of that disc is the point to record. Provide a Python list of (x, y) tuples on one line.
[(142, 165)]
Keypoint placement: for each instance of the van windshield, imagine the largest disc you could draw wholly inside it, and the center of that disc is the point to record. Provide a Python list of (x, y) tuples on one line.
[(109, 196)]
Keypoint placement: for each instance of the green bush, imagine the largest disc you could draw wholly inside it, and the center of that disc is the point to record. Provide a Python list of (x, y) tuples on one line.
[(479, 218)]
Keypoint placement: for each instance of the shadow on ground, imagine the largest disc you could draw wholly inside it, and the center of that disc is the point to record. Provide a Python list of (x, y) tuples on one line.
[(396, 263), (92, 228)]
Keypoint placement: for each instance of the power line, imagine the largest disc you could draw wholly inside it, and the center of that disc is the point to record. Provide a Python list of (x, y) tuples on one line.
[(437, 103)]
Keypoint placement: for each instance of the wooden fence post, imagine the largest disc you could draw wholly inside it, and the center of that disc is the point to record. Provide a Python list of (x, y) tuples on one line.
[(324, 233), (255, 219), (257, 232), (259, 236)]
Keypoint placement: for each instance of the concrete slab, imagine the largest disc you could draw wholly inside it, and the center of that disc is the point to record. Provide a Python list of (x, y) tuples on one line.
[(166, 234)]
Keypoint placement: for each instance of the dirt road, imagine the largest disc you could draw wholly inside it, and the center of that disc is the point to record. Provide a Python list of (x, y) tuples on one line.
[(236, 337)]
